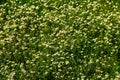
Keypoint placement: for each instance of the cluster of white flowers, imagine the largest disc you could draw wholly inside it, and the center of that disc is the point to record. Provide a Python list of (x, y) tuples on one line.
[(59, 39)]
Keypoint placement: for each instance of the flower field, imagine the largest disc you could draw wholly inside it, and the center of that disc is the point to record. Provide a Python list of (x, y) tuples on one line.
[(60, 40)]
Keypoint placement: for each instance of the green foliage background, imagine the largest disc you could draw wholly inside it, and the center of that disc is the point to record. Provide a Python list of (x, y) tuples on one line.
[(60, 40)]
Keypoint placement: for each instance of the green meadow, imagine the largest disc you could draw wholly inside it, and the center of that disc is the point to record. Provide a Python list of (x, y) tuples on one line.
[(59, 39)]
